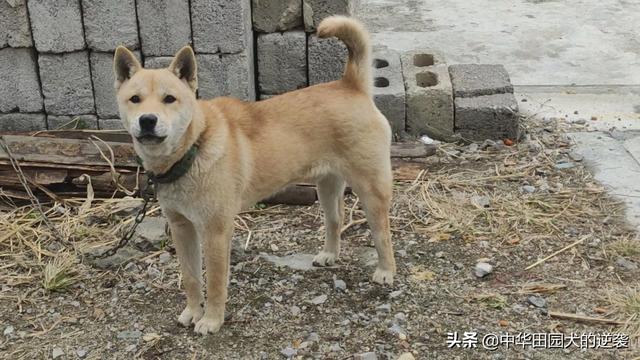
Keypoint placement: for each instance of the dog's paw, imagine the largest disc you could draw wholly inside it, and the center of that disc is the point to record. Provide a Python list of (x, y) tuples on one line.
[(190, 316), (208, 325), (383, 277), (324, 259)]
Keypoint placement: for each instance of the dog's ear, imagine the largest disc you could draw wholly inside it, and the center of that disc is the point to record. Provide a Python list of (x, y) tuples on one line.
[(125, 65), (184, 66)]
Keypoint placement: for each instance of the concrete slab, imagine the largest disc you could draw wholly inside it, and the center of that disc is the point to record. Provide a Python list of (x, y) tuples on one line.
[(614, 167), (540, 42)]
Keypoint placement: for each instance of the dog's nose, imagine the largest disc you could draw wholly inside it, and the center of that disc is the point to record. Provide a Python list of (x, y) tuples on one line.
[(148, 122)]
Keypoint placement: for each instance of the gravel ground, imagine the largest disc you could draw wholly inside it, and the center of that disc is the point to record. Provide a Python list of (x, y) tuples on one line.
[(464, 232)]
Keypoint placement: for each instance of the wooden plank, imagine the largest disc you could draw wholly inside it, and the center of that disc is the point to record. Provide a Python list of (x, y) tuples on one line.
[(66, 151), (106, 135)]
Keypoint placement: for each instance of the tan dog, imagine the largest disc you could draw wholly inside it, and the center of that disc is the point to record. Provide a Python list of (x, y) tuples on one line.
[(328, 133)]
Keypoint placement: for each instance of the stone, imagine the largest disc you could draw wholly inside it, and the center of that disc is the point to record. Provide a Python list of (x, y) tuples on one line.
[(487, 117), (282, 62), (165, 26), (14, 24), (565, 165), (293, 261), (226, 75), (109, 23), (164, 258), (103, 79), (626, 264), (66, 83), (339, 285), (221, 26), (318, 300), (316, 10), (150, 234), (537, 301), (8, 330), (384, 308), (388, 89), (158, 62), (327, 59), (406, 356), (20, 90), (129, 334), (482, 269), (366, 356), (295, 310), (57, 352), (110, 124), (271, 16), (528, 189), (335, 347), (429, 95), (56, 25), (22, 122), (58, 122), (81, 353), (288, 352), (395, 294), (121, 257), (470, 80)]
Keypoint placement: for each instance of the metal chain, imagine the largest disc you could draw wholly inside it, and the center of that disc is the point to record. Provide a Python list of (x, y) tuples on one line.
[(148, 194)]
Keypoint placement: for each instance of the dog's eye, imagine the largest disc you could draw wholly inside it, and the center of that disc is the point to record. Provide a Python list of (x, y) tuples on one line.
[(168, 99), (135, 99)]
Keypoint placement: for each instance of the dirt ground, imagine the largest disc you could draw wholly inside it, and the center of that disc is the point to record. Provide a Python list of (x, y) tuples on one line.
[(506, 206)]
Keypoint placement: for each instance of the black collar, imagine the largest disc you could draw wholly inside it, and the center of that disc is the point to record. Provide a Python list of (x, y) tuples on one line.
[(178, 169)]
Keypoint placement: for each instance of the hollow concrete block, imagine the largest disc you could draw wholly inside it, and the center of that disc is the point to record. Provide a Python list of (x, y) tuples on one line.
[(66, 83), (221, 26), (57, 25), (313, 11), (282, 62), (157, 62), (110, 124), (14, 24), (56, 122), (165, 26), (226, 75), (20, 89), (479, 79), (327, 59), (103, 84), (429, 94), (487, 117), (388, 88)]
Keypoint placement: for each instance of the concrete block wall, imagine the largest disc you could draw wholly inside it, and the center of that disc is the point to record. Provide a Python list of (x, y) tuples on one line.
[(56, 56)]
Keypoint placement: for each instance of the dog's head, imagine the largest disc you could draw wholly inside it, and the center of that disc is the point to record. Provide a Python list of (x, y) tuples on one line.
[(156, 106)]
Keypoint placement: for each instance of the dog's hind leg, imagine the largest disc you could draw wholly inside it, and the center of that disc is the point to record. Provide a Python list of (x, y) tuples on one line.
[(374, 190), (331, 196), (188, 249)]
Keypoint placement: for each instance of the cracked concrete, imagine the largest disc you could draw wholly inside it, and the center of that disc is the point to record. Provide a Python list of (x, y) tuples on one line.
[(574, 60)]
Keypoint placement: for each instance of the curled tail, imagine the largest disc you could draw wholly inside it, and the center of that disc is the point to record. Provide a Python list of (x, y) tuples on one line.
[(358, 70)]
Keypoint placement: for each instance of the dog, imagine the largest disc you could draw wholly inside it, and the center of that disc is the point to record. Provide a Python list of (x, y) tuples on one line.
[(213, 158)]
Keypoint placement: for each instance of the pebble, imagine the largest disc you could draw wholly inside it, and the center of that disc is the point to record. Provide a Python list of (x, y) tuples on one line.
[(164, 258), (8, 330), (528, 189), (384, 308), (135, 334), (395, 294), (406, 356), (473, 147), (626, 264), (81, 353), (335, 348), (483, 269), (402, 253), (537, 301), (580, 121), (288, 352), (320, 299), (130, 348), (440, 254), (295, 310), (313, 337), (575, 156), (565, 165), (365, 356), (482, 201), (339, 285), (518, 309), (400, 317), (57, 352)]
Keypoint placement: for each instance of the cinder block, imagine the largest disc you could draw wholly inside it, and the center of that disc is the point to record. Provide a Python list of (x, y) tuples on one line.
[(55, 122), (487, 117), (226, 75), (20, 89), (22, 122), (66, 83), (388, 88), (282, 62), (158, 62), (221, 26), (165, 26), (109, 23), (110, 124), (271, 16), (266, 97), (429, 94), (313, 11), (103, 84), (327, 59), (479, 79), (14, 24), (57, 25)]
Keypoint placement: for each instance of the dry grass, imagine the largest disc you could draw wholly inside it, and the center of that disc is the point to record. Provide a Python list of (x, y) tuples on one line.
[(59, 273), (625, 305), (625, 247)]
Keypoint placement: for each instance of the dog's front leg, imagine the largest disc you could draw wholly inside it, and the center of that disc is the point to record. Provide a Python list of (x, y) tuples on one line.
[(216, 238), (187, 246)]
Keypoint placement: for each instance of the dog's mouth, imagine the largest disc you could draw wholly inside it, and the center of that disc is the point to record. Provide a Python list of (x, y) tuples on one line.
[(150, 139)]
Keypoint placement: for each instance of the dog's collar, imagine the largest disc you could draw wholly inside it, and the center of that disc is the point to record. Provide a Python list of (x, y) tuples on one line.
[(177, 170)]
